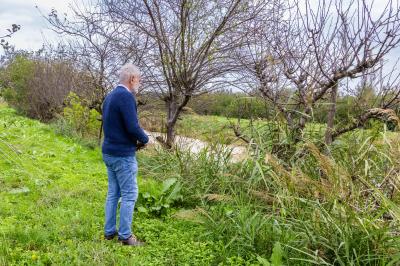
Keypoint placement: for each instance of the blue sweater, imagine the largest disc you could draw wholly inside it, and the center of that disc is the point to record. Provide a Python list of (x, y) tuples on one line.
[(121, 127)]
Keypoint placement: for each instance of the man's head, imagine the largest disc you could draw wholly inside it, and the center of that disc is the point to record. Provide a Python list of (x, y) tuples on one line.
[(129, 75)]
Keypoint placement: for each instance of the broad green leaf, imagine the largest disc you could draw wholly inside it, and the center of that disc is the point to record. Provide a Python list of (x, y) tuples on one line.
[(167, 184), (277, 253)]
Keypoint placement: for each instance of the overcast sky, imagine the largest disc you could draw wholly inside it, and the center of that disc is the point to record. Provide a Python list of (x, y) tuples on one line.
[(34, 30), (33, 26)]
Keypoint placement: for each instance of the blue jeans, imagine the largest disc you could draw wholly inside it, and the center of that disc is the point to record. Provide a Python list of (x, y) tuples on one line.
[(122, 183)]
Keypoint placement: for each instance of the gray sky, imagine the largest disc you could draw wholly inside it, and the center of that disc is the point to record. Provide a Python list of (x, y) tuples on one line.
[(33, 26), (34, 30)]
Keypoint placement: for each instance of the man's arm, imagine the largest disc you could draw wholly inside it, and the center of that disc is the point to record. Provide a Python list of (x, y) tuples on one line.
[(128, 110)]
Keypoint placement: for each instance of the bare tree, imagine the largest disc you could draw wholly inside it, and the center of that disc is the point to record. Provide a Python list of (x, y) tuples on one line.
[(307, 54), (3, 36), (191, 42), (43, 82), (9, 50), (375, 97), (52, 80), (91, 42)]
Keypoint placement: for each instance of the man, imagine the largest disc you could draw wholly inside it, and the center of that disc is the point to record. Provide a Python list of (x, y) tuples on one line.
[(122, 137)]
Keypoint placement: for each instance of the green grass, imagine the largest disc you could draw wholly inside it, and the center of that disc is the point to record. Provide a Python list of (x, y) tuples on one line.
[(319, 210), (207, 127), (52, 192)]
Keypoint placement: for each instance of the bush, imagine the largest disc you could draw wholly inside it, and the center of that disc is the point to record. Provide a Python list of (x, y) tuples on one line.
[(37, 87), (16, 79), (84, 121), (235, 105), (159, 201)]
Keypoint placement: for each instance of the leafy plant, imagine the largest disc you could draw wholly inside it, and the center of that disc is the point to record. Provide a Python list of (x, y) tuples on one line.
[(276, 257), (83, 120), (15, 83), (158, 203)]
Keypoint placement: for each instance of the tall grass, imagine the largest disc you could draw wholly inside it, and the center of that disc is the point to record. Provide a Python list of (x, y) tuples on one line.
[(334, 205)]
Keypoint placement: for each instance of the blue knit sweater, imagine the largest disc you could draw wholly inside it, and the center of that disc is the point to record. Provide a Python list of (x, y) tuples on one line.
[(121, 127)]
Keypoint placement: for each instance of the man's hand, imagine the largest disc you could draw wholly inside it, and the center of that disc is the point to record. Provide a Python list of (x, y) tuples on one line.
[(140, 146)]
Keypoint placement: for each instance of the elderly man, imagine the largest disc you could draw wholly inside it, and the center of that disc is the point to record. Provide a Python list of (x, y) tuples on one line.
[(122, 137)]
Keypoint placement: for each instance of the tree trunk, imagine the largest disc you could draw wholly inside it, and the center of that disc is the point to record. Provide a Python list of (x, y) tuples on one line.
[(170, 135), (174, 108), (331, 115), (385, 115), (171, 121)]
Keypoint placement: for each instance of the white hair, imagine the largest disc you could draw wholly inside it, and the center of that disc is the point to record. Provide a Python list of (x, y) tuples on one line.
[(127, 71)]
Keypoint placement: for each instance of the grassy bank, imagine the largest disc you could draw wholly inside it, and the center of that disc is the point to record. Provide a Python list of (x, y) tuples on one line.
[(319, 209), (51, 210)]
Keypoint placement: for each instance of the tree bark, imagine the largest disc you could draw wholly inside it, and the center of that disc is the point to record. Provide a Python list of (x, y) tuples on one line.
[(331, 115), (170, 135), (385, 115), (171, 121)]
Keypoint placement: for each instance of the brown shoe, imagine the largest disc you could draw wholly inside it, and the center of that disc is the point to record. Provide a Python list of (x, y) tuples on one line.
[(131, 241), (110, 237)]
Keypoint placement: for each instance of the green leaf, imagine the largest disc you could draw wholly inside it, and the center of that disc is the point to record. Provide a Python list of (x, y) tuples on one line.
[(277, 253), (146, 195), (167, 184), (263, 261), (156, 208), (175, 193), (142, 209)]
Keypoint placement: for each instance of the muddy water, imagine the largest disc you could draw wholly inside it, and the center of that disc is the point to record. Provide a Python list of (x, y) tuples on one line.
[(238, 153)]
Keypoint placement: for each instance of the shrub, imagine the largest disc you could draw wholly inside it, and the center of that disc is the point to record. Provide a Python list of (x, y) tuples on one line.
[(236, 105), (17, 77), (37, 87), (160, 200), (84, 121)]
